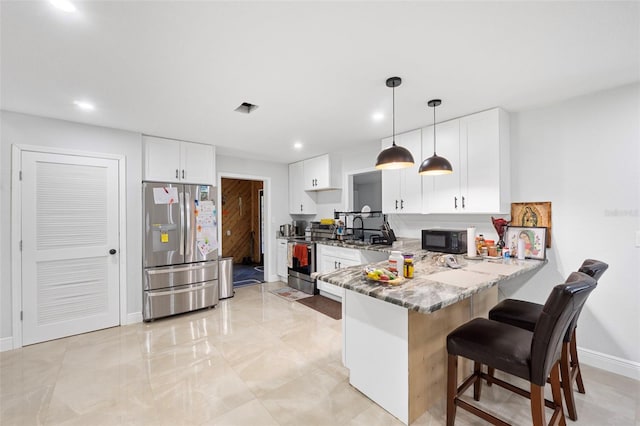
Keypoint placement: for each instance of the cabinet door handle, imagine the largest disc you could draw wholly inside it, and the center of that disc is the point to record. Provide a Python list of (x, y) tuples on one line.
[(401, 204), (396, 204), (176, 173), (335, 265), (339, 265), (455, 202), (463, 202), (182, 173)]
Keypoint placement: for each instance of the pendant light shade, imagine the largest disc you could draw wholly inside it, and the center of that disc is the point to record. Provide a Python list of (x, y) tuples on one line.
[(435, 165), (394, 157)]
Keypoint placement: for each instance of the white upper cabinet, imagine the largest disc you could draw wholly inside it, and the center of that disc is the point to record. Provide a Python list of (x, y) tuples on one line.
[(478, 148), (198, 163), (169, 160), (321, 173), (300, 201), (402, 188)]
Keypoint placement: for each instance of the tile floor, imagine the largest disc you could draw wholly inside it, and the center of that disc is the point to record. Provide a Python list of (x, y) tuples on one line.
[(255, 360)]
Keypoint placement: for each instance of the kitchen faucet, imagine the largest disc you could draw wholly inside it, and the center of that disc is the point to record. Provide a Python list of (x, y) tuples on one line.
[(361, 226)]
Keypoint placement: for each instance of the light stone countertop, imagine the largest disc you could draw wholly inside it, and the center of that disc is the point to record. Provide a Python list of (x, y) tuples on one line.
[(433, 286)]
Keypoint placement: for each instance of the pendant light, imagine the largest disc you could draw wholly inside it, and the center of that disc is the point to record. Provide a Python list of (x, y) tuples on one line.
[(396, 156), (435, 165)]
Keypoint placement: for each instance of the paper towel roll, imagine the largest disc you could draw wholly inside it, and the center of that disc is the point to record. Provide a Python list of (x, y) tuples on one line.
[(520, 248), (471, 242)]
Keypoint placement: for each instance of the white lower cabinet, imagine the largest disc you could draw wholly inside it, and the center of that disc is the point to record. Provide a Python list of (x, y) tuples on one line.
[(281, 259), (330, 258)]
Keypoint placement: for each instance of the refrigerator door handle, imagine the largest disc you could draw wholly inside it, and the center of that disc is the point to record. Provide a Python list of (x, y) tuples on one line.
[(181, 197), (188, 213), (186, 289), (186, 268)]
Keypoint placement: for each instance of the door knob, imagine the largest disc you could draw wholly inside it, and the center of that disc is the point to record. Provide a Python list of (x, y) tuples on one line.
[(112, 251)]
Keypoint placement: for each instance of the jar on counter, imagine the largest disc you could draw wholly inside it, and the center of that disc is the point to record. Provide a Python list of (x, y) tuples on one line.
[(408, 265), (396, 262), (506, 253)]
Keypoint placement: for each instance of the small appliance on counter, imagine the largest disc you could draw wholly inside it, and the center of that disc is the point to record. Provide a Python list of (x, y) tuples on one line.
[(294, 229), (445, 240), (298, 227), (285, 230)]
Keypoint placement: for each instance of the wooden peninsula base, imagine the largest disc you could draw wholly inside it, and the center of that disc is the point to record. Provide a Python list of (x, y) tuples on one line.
[(396, 356)]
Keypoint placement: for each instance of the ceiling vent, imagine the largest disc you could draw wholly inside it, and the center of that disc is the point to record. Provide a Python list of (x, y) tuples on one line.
[(246, 108)]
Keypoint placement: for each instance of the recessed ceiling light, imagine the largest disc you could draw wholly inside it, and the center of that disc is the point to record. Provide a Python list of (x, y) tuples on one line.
[(297, 145), (64, 5), (378, 116), (84, 105)]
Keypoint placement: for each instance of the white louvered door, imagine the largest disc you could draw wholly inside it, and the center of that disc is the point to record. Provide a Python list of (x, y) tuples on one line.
[(69, 225)]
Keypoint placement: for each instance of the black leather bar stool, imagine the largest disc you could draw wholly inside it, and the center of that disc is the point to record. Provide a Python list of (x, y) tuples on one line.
[(533, 356), (525, 315)]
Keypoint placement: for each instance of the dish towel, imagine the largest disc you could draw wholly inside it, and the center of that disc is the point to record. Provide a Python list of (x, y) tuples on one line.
[(290, 255), (300, 253)]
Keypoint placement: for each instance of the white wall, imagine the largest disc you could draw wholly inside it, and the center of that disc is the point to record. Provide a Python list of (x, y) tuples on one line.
[(31, 130), (278, 175), (583, 155)]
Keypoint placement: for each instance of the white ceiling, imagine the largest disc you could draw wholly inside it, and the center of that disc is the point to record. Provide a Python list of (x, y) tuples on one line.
[(317, 70)]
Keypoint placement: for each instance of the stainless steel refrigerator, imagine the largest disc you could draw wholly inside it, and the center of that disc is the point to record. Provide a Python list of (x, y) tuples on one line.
[(180, 249)]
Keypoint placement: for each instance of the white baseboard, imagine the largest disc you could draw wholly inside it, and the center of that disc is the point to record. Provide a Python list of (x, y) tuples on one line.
[(610, 363), (275, 277), (134, 318), (6, 344)]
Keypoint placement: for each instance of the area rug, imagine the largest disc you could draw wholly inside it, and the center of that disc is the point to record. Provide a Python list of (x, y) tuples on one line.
[(247, 275), (324, 305), (290, 294)]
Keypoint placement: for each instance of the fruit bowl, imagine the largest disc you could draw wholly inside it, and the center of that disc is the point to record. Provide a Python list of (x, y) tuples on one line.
[(382, 276)]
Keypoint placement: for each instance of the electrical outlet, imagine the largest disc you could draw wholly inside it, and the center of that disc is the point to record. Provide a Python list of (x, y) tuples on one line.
[(228, 232)]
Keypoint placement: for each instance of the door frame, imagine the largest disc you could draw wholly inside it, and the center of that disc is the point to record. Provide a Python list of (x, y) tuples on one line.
[(347, 196), (16, 227), (269, 235)]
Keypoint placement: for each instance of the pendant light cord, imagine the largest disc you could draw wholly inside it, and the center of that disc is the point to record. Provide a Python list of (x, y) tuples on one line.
[(434, 130), (393, 114)]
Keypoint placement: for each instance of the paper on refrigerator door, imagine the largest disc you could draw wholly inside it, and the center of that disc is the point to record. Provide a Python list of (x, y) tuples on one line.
[(165, 195), (206, 227)]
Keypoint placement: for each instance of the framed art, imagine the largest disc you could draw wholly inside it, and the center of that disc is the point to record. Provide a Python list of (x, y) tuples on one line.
[(532, 214), (535, 239)]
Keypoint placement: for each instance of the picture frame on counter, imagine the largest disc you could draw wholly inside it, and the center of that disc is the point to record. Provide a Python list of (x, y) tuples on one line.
[(532, 214), (535, 238)]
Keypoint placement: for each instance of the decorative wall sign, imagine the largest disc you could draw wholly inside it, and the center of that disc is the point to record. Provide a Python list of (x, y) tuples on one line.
[(534, 241), (532, 214)]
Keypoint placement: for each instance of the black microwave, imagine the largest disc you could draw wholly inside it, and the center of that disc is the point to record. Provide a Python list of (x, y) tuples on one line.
[(445, 240)]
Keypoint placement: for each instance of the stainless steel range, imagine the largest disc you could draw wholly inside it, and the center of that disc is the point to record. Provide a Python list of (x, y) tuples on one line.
[(302, 263)]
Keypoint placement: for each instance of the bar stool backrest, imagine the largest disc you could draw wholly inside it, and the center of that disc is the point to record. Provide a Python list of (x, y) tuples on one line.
[(595, 269), (560, 308)]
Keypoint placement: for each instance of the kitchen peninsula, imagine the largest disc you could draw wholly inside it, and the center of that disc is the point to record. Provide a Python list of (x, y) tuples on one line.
[(394, 337)]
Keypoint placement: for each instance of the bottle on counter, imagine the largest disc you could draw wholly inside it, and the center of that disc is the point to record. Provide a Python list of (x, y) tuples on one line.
[(505, 252), (480, 243), (408, 265), (396, 262)]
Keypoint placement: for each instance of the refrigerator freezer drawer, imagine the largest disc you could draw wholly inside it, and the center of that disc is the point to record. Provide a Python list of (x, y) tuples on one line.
[(174, 276), (162, 303)]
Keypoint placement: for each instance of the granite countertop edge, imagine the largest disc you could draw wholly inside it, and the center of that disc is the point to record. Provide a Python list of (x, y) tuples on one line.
[(422, 294)]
